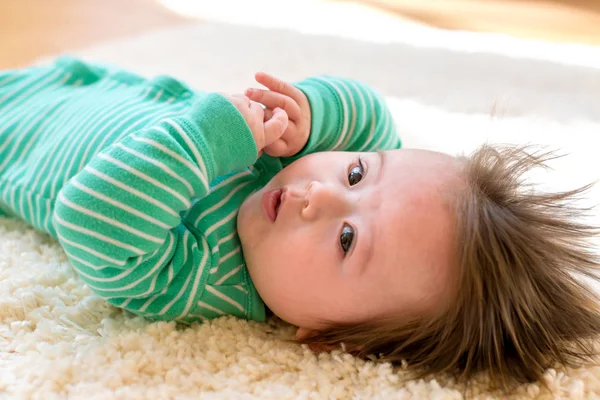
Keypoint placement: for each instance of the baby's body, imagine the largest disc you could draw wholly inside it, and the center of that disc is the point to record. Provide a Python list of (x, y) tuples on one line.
[(141, 180)]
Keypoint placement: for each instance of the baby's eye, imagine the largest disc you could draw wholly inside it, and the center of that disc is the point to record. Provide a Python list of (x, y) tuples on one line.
[(346, 238), (356, 173)]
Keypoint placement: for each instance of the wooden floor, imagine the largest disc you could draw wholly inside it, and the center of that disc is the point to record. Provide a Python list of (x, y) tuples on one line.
[(32, 28)]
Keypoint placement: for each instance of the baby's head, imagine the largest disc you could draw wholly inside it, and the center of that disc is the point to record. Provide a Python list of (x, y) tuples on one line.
[(354, 239), (415, 255)]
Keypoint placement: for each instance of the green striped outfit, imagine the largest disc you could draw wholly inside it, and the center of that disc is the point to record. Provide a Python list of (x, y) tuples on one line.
[(140, 180)]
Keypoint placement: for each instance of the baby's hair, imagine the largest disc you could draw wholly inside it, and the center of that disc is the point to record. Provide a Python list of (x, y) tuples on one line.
[(521, 305)]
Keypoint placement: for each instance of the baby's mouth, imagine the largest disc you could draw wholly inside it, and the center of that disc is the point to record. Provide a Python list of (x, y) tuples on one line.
[(271, 201), (278, 205)]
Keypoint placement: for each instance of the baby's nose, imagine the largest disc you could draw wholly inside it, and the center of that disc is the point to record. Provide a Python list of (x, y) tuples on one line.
[(325, 200)]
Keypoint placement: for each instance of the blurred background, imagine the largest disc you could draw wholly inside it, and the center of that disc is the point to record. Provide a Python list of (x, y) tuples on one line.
[(33, 28)]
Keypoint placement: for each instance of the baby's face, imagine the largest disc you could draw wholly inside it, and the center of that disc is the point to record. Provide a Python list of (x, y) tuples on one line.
[(352, 242)]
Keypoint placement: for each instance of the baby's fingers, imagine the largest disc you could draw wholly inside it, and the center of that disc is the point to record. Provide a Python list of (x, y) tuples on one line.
[(273, 100), (278, 85), (268, 114), (275, 126)]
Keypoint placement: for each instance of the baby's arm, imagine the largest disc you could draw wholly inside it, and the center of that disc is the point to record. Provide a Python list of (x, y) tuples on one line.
[(343, 114), (119, 219), (347, 115)]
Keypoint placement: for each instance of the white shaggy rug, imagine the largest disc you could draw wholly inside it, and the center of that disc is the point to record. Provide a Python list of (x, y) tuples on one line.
[(58, 341)]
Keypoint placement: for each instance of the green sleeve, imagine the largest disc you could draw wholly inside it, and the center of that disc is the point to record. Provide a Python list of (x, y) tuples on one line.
[(347, 115), (119, 219)]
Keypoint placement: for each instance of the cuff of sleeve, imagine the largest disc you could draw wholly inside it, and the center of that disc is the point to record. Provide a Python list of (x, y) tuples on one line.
[(324, 104), (224, 135)]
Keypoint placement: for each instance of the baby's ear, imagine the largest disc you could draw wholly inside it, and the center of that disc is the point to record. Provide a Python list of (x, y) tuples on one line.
[(303, 333)]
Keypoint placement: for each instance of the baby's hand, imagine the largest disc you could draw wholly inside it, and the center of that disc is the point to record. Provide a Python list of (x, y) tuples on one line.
[(282, 95), (265, 131)]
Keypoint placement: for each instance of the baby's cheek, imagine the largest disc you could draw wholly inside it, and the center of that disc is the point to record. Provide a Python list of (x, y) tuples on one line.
[(300, 251), (293, 260)]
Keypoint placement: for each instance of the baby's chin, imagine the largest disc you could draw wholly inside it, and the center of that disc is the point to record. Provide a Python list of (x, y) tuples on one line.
[(251, 208), (244, 217), (248, 221), (251, 221)]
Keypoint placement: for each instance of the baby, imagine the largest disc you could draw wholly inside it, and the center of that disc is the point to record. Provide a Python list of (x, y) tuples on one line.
[(181, 205)]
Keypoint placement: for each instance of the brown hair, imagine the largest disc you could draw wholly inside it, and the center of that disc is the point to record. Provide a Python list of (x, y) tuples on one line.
[(521, 306)]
